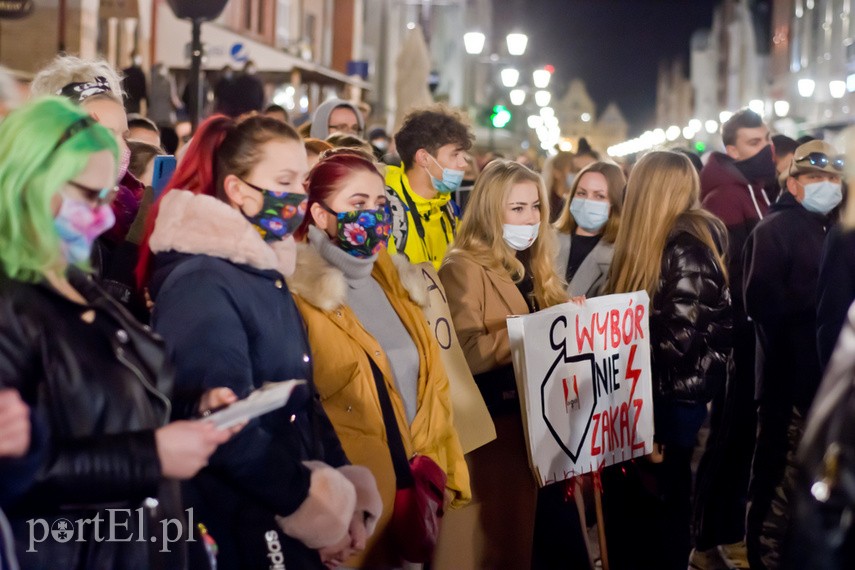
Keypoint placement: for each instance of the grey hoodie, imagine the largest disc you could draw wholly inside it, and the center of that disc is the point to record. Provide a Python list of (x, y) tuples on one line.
[(321, 117)]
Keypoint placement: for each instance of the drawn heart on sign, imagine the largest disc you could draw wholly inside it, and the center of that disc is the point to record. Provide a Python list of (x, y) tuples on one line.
[(567, 402)]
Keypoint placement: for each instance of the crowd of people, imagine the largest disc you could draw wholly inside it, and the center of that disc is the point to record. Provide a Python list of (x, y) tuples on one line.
[(130, 314)]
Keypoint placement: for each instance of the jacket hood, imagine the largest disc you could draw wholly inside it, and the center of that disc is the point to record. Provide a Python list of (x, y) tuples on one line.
[(324, 286), (720, 170), (203, 225), (320, 118)]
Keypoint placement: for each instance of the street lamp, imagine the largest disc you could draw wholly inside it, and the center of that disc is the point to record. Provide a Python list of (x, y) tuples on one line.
[(535, 121), (541, 78), (837, 88), (806, 87), (517, 43), (474, 42), (547, 112), (517, 97), (782, 108), (542, 98), (711, 126), (757, 106), (510, 76), (672, 133), (724, 116)]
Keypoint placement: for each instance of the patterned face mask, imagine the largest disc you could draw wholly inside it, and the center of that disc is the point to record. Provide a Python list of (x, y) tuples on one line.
[(78, 224), (362, 233), (280, 215)]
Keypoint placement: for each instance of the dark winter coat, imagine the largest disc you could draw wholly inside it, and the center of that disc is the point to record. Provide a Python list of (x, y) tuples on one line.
[(228, 319), (97, 380), (726, 193), (836, 289), (690, 337), (781, 273)]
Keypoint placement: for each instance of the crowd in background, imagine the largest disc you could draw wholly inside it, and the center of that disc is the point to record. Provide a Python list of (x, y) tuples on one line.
[(132, 306)]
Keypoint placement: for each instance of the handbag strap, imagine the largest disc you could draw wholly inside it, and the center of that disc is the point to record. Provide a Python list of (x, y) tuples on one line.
[(403, 475)]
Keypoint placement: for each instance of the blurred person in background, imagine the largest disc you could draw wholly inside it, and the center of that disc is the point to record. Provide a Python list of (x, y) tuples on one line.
[(587, 228), (559, 173)]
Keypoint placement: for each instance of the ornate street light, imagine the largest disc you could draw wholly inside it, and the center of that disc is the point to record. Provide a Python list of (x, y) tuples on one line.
[(517, 43), (474, 42)]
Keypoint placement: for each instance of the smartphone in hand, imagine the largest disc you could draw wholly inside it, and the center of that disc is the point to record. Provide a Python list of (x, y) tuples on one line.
[(164, 167)]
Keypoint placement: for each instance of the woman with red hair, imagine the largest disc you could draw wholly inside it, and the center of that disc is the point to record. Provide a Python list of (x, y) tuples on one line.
[(215, 258), (370, 341)]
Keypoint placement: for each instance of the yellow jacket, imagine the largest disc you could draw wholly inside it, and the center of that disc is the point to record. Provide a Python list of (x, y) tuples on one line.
[(342, 373), (438, 217)]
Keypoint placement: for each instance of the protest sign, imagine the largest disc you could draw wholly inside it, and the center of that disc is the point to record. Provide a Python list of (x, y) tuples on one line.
[(583, 373), (471, 417)]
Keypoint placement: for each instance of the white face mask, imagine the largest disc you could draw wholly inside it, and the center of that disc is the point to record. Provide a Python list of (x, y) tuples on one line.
[(520, 237)]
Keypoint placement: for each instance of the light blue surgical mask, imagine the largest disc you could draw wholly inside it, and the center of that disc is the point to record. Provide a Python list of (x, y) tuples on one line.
[(822, 197), (451, 179), (590, 215)]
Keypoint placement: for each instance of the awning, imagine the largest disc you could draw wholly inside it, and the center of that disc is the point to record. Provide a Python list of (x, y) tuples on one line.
[(225, 47)]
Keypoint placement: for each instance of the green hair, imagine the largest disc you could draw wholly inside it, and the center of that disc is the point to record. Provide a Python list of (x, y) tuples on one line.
[(32, 170)]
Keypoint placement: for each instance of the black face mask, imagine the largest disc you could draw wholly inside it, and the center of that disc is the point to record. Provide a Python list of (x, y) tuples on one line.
[(760, 168)]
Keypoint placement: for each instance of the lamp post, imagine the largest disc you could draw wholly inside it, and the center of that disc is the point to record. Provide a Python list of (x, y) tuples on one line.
[(517, 43), (196, 12)]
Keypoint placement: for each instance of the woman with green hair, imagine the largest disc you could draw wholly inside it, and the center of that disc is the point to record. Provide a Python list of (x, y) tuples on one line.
[(94, 379)]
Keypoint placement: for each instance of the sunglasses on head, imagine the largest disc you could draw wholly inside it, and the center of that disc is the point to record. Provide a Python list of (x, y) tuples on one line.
[(100, 196), (77, 126), (821, 160)]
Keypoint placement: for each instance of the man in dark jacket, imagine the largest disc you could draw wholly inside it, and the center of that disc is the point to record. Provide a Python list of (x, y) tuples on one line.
[(733, 188), (781, 271)]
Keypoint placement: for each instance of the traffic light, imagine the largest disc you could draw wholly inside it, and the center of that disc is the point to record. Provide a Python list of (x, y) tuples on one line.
[(700, 147), (500, 117)]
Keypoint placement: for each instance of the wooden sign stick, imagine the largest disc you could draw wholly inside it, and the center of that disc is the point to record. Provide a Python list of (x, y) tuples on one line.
[(601, 528)]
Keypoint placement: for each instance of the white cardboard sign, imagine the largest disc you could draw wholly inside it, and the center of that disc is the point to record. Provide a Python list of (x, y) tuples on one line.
[(583, 374)]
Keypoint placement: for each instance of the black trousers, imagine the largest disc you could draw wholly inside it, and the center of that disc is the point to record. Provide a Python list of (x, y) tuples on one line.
[(647, 509), (723, 475), (558, 534)]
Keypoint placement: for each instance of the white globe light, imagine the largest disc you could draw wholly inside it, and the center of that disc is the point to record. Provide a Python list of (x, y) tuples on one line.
[(474, 42), (672, 133), (546, 112), (688, 133), (711, 126), (541, 78), (806, 87), (724, 116), (534, 121), (757, 106), (510, 76), (695, 125), (517, 97), (837, 88), (517, 43), (542, 98), (782, 108)]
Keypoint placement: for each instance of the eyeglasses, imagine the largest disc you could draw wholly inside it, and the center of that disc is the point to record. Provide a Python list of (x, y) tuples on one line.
[(344, 128), (100, 196), (821, 160), (77, 126)]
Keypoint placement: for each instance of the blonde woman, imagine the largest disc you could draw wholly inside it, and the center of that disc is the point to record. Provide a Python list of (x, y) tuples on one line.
[(501, 264), (671, 248), (588, 226)]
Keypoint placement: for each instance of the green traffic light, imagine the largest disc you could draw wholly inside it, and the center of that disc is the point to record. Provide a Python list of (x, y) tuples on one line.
[(500, 117), (700, 147)]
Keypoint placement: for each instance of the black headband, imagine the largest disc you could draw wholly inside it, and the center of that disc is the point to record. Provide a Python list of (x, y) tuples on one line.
[(79, 92), (80, 124)]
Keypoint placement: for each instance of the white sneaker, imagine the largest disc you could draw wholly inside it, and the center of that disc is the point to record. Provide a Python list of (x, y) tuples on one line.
[(735, 555)]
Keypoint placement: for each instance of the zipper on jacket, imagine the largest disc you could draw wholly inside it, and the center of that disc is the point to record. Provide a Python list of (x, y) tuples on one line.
[(120, 354)]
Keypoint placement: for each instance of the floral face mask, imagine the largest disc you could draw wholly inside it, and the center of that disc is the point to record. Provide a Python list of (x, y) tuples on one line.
[(280, 215), (362, 233)]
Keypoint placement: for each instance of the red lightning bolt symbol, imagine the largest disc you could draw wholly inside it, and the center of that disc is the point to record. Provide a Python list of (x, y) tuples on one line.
[(632, 373)]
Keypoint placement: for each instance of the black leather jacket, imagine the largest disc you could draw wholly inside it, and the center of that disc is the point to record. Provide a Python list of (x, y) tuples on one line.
[(97, 380), (690, 323)]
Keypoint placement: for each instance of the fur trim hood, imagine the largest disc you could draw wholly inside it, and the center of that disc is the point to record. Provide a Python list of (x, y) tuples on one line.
[(199, 224), (324, 286)]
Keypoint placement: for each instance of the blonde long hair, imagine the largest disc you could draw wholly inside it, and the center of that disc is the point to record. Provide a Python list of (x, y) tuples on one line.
[(479, 236), (662, 193), (615, 181)]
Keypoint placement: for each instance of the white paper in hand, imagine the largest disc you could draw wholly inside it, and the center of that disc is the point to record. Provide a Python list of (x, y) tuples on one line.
[(269, 397)]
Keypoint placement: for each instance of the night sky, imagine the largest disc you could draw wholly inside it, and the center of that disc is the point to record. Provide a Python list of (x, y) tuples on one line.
[(613, 45)]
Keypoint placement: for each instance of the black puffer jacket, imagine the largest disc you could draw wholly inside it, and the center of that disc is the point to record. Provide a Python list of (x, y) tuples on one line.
[(690, 323), (97, 381)]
